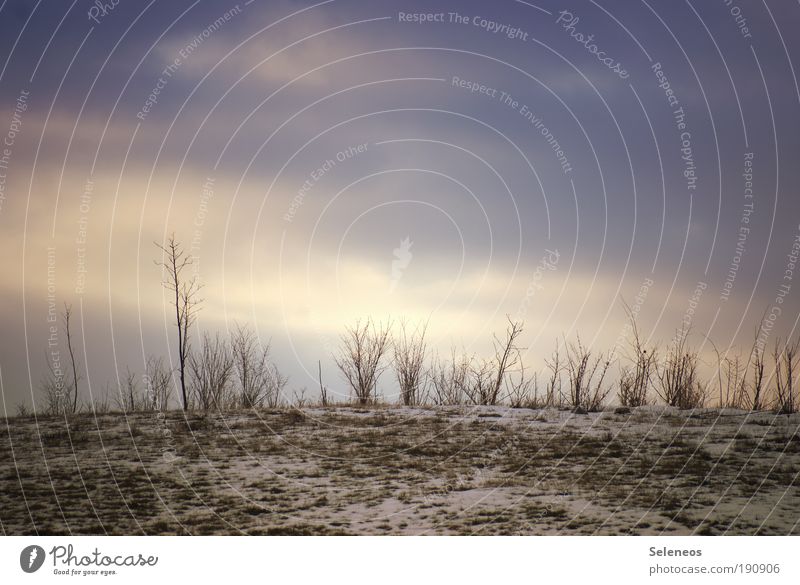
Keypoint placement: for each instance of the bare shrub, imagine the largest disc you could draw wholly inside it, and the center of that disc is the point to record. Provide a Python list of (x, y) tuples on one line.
[(486, 378), (211, 371), (586, 376), (522, 390), (101, 404), (22, 411), (323, 390), (300, 399), (251, 367), (275, 383), (448, 379), (758, 383), (678, 379), (361, 358), (127, 398), (409, 360), (55, 391), (735, 387), (480, 382), (635, 378), (785, 361), (554, 392), (158, 384)]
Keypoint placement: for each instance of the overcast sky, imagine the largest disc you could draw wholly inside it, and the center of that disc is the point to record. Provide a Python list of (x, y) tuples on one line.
[(328, 161)]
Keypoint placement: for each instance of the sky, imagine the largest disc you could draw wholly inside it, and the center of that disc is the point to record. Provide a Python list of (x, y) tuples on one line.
[(445, 162)]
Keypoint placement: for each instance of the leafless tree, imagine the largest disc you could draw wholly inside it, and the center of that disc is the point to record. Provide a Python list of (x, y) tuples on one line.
[(185, 298), (586, 375), (75, 377), (158, 382), (361, 357), (679, 383), (211, 371), (785, 356), (409, 360), (635, 378)]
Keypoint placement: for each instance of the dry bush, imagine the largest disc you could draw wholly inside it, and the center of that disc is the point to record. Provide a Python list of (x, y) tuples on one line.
[(756, 401), (507, 357), (733, 393), (785, 362), (586, 376), (678, 379), (127, 398), (522, 391), (480, 383), (56, 392), (158, 384), (211, 370), (448, 379), (635, 378), (554, 391), (101, 404), (409, 361), (251, 367), (361, 357), (275, 383)]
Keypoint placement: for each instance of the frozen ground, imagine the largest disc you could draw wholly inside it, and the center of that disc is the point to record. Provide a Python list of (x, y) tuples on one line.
[(402, 471)]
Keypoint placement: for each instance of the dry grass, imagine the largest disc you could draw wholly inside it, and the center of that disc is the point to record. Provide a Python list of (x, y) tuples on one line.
[(391, 470)]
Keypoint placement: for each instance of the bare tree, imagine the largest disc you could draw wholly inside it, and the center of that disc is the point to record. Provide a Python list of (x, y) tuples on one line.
[(158, 381), (185, 292), (360, 359), (678, 378), (785, 356), (586, 375), (75, 377), (409, 359)]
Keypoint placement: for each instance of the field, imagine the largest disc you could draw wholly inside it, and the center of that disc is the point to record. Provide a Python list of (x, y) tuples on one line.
[(392, 470)]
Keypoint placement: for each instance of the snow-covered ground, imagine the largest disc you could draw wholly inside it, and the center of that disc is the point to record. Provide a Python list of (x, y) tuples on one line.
[(391, 470)]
